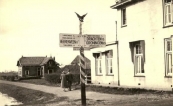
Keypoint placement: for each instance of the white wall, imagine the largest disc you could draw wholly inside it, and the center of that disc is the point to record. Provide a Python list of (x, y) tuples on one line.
[(144, 22), (105, 79)]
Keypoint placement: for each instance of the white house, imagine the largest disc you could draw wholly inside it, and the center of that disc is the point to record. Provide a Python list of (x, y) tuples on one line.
[(144, 29)]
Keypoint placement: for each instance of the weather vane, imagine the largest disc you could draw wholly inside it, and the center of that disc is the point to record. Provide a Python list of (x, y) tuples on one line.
[(81, 18)]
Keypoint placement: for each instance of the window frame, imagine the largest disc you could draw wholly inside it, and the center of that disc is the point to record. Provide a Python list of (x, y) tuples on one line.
[(98, 64), (109, 66), (123, 17), (48, 71), (167, 73), (166, 15), (26, 72), (138, 53)]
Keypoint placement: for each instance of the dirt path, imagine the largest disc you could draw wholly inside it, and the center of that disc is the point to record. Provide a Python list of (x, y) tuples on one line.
[(76, 94)]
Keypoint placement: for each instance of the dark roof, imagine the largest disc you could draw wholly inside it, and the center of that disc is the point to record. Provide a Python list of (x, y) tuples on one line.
[(34, 61), (75, 69), (88, 62)]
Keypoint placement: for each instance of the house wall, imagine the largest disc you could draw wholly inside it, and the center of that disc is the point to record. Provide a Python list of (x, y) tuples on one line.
[(104, 78), (20, 71), (144, 23), (32, 70), (53, 67)]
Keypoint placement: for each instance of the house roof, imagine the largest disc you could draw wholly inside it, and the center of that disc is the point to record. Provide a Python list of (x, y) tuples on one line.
[(75, 69), (87, 61), (34, 61)]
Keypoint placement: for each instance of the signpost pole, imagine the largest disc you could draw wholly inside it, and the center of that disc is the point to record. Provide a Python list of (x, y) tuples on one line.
[(82, 70), (73, 40), (82, 74)]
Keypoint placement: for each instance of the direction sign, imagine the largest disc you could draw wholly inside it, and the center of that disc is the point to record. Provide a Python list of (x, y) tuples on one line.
[(69, 40), (95, 40), (77, 40)]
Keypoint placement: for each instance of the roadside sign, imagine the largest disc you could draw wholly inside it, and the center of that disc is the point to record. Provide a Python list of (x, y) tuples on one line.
[(78, 48), (77, 40), (95, 40), (69, 40)]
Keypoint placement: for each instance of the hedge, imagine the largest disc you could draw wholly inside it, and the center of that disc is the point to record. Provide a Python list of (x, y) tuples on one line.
[(8, 77), (29, 77), (54, 78)]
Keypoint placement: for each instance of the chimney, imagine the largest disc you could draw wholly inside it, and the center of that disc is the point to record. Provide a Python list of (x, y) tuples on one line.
[(53, 58)]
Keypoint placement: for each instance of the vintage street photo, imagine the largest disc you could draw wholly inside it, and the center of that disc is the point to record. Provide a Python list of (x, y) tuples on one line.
[(86, 52)]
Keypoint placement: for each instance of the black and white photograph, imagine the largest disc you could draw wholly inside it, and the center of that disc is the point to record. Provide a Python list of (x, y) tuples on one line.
[(86, 52)]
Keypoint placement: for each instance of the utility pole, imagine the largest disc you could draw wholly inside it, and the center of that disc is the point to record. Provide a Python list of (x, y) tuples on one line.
[(117, 55)]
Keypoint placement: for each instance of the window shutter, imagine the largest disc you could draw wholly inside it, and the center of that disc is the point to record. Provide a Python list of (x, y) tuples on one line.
[(132, 50), (100, 55), (111, 53)]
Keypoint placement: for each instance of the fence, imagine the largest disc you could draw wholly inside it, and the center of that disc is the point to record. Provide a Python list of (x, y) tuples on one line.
[(87, 79)]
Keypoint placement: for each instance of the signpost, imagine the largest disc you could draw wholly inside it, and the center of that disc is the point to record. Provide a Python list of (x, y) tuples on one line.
[(94, 40), (82, 42), (69, 40)]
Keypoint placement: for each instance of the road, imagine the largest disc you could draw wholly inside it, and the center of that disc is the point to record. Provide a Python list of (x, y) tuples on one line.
[(123, 100)]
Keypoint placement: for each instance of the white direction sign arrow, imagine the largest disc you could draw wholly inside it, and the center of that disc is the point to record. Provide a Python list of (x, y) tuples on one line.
[(95, 40), (69, 40)]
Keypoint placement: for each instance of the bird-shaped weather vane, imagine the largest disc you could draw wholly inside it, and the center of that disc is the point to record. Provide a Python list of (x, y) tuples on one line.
[(81, 18)]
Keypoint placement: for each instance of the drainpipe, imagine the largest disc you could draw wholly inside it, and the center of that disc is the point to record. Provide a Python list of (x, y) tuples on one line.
[(117, 55)]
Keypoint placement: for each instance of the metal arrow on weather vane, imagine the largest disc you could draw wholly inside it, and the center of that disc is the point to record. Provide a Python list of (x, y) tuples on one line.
[(81, 18)]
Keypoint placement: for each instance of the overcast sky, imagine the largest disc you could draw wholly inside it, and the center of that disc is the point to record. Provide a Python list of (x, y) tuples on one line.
[(32, 27)]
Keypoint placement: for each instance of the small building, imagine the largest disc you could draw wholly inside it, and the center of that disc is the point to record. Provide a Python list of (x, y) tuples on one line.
[(36, 66), (87, 62), (104, 65)]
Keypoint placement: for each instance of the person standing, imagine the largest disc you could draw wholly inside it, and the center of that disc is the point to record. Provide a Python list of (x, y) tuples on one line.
[(69, 79), (63, 78)]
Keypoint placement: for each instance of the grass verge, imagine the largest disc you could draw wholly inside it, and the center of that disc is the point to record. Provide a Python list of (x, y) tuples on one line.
[(40, 82), (125, 91), (28, 96)]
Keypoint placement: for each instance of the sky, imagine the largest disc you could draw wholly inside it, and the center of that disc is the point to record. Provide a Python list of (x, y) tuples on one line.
[(32, 27)]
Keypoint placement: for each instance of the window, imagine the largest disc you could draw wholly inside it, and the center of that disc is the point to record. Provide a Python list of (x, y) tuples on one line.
[(39, 71), (168, 12), (138, 57), (123, 17), (99, 63), (168, 57), (139, 63), (50, 63), (26, 72), (50, 71), (109, 56)]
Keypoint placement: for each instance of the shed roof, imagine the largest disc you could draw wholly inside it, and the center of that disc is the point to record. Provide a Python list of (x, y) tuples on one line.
[(88, 62)]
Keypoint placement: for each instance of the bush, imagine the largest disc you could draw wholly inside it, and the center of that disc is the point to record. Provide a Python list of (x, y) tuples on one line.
[(53, 78), (8, 77), (28, 77)]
